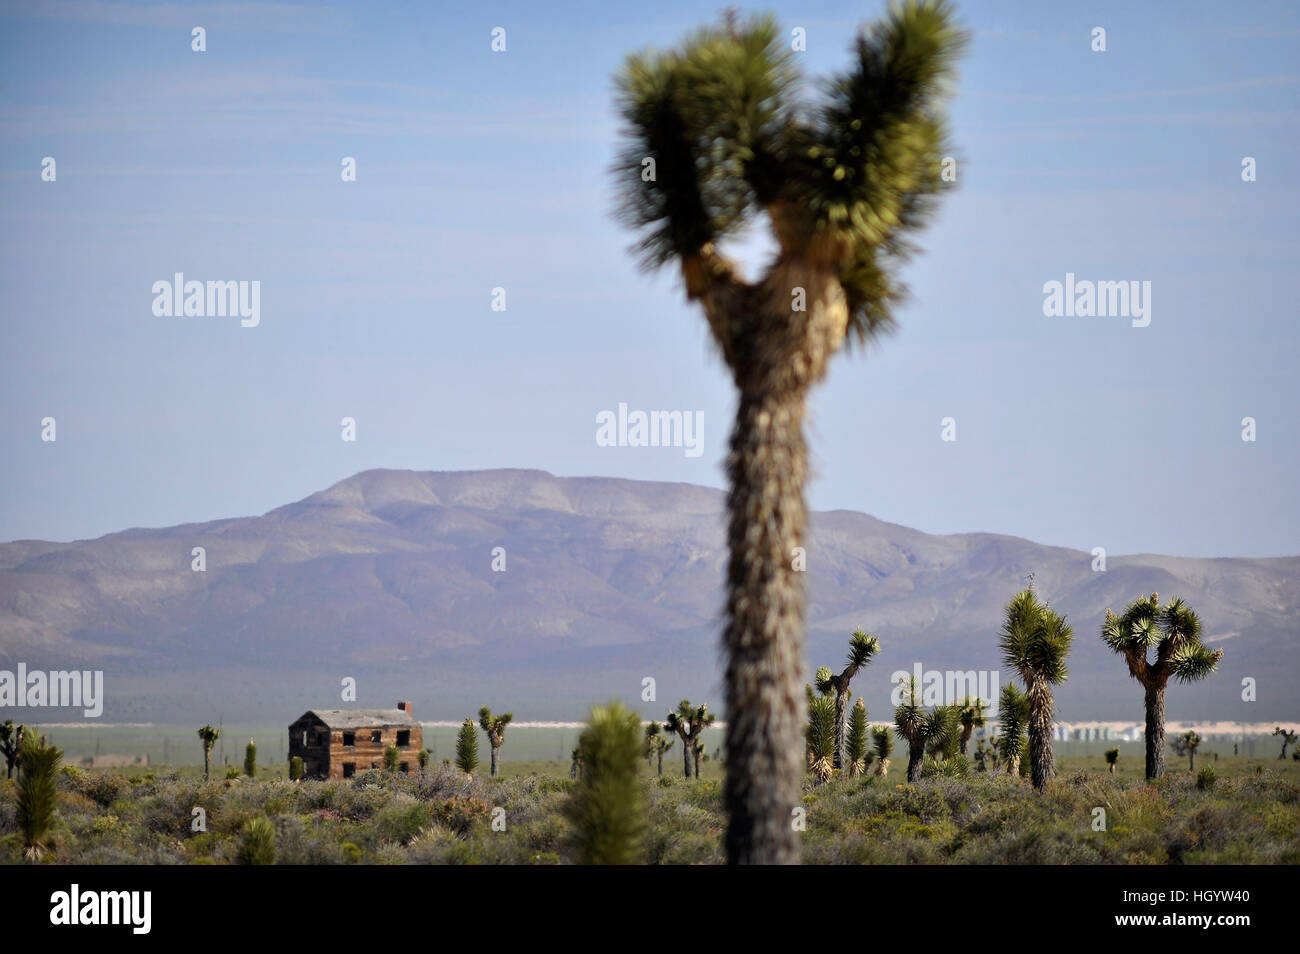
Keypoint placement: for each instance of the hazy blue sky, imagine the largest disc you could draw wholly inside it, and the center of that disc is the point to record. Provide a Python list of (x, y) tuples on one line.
[(479, 169)]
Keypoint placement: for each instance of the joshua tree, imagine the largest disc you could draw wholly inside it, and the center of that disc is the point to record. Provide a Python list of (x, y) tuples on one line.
[(1288, 738), (423, 758), (972, 718), (37, 794), (392, 758), (295, 769), (1013, 716), (657, 742), (11, 744), (717, 136), (882, 740), (920, 728), (946, 737), (257, 842), (855, 745), (819, 736), (606, 808), (208, 737), (1187, 744), (1174, 632), (861, 649), (467, 748), (575, 766), (981, 757), (1112, 757), (250, 759), (1035, 640), (688, 722), (495, 727)]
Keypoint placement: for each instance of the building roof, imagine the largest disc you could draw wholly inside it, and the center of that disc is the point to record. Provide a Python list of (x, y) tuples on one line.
[(362, 718)]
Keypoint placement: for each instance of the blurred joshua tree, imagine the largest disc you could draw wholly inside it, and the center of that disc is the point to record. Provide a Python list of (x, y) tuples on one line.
[(607, 809), (11, 744), (208, 737), (1174, 632), (495, 727), (1035, 640), (1288, 738), (1187, 744), (861, 649), (250, 759), (856, 755), (1112, 757), (718, 134)]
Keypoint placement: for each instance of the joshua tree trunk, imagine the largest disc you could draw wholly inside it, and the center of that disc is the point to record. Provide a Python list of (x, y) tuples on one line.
[(966, 732), (915, 753), (1155, 702), (207, 764), (495, 756), (1112, 768), (686, 758), (841, 726), (1013, 765), (1191, 760), (698, 756), (661, 762), (882, 766), (1042, 763), (764, 634)]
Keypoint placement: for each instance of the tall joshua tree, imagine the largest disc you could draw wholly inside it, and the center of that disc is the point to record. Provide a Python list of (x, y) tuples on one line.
[(819, 736), (495, 727), (971, 713), (607, 807), (861, 649), (467, 748), (1035, 640), (1013, 716), (882, 740), (11, 744), (37, 795), (208, 737), (716, 137), (1173, 631)]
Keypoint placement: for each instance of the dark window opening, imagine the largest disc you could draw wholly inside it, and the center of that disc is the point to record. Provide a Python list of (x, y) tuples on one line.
[(405, 766), (403, 738), (350, 738), (349, 769), (377, 735)]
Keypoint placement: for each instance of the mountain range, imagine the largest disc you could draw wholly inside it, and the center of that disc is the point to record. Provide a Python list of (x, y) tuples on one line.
[(543, 594)]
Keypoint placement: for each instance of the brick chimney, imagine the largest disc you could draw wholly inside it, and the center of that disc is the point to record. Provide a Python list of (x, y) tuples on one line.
[(405, 707)]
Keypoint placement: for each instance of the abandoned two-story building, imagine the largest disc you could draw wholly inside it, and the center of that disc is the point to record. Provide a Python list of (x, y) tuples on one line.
[(335, 743)]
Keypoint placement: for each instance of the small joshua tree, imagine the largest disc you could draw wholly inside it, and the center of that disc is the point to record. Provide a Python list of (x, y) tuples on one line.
[(657, 743), (972, 718), (855, 744), (819, 736), (606, 809), (495, 727), (208, 737), (257, 842), (688, 722), (1013, 716), (1288, 738), (1035, 640), (1173, 631), (1112, 757), (295, 769), (11, 744), (861, 650), (919, 729), (882, 740), (250, 759), (423, 757), (981, 757), (1187, 744), (392, 756), (467, 748), (37, 794)]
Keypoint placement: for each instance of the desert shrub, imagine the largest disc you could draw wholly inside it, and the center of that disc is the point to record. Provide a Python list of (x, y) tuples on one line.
[(461, 814), (1205, 778), (400, 821)]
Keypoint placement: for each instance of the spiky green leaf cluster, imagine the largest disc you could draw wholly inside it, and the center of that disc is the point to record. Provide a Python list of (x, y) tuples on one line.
[(467, 748), (820, 736), (1173, 631), (1035, 639), (1013, 720), (723, 120), (37, 794), (855, 742)]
